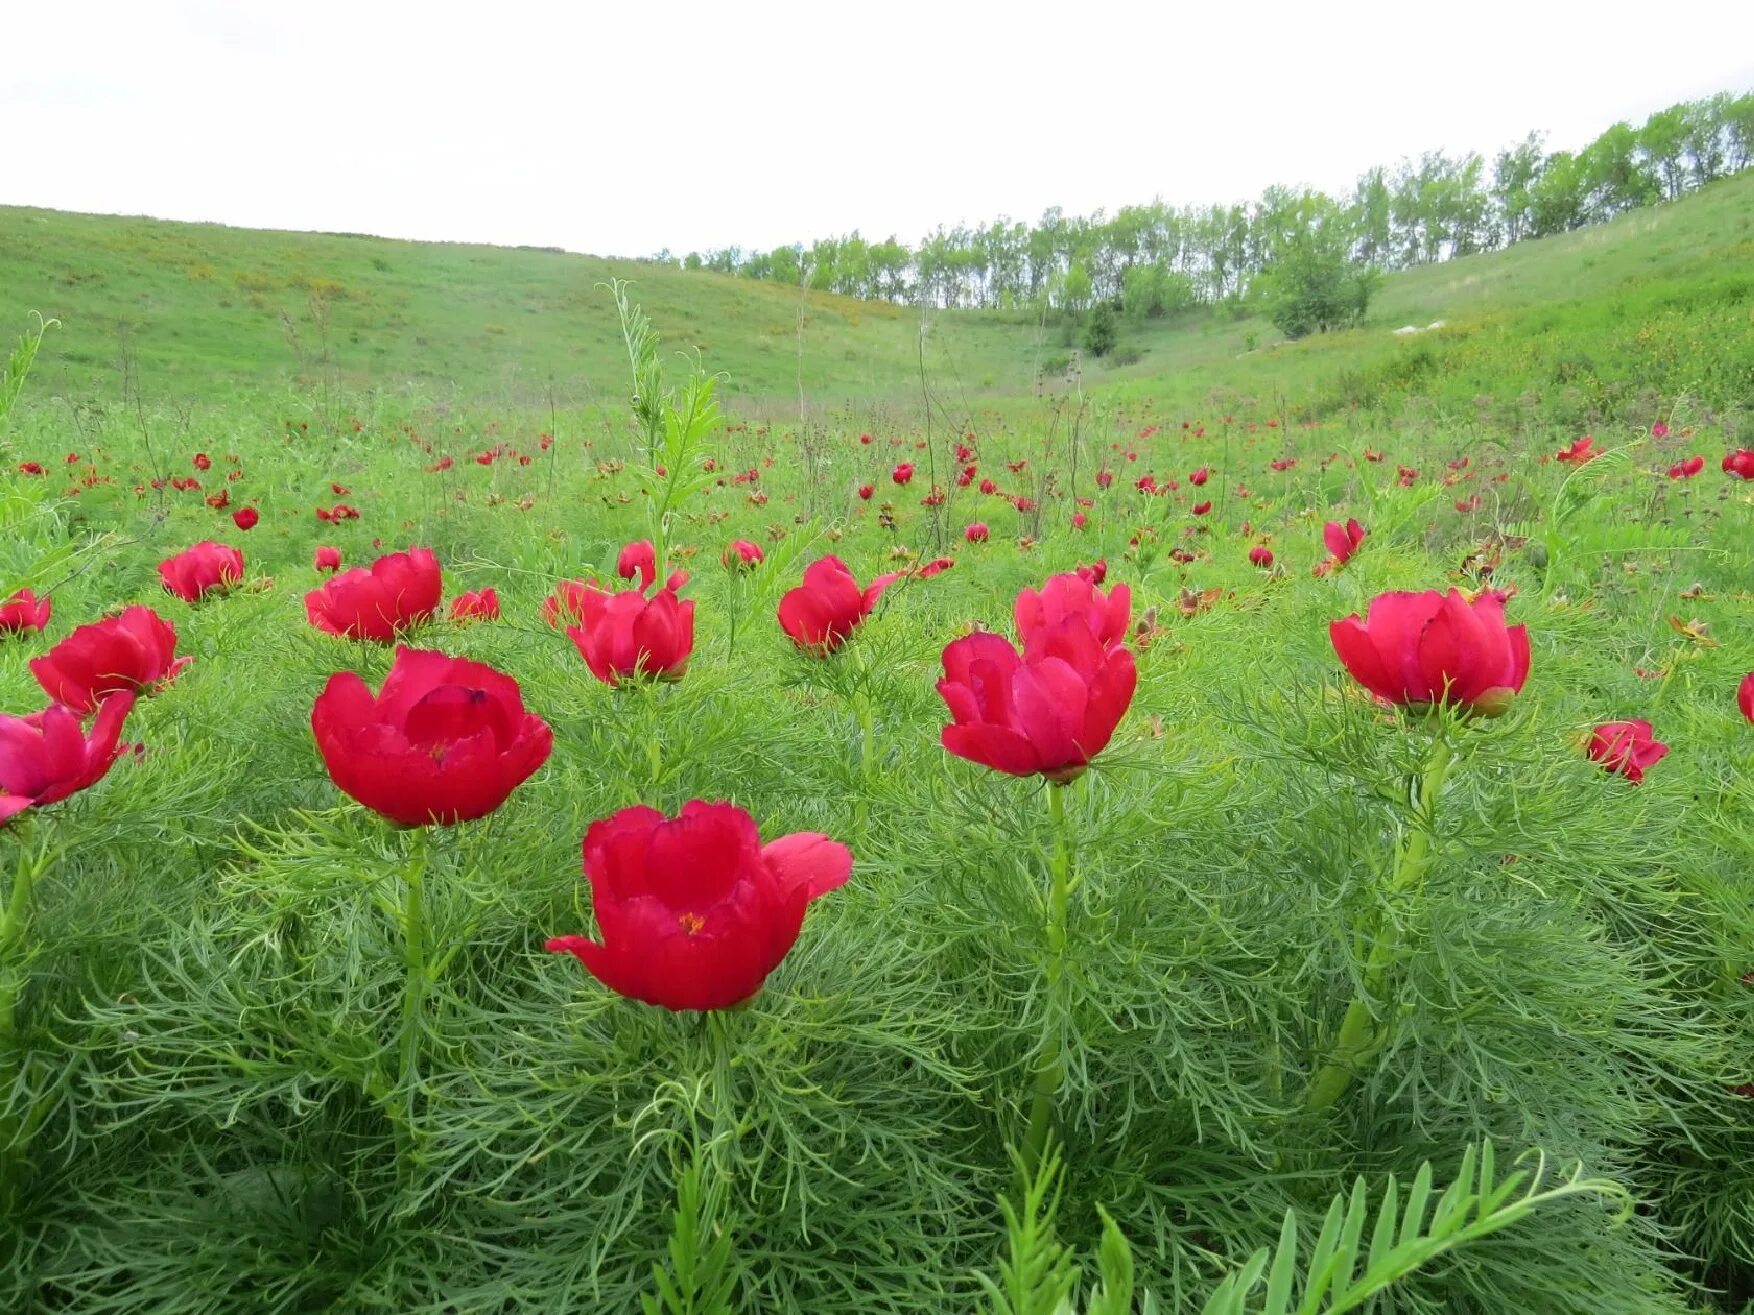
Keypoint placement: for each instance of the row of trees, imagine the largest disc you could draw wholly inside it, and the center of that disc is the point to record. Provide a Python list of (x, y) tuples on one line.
[(1151, 260)]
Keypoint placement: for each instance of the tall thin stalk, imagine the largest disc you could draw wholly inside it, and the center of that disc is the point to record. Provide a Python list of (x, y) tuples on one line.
[(1050, 1063)]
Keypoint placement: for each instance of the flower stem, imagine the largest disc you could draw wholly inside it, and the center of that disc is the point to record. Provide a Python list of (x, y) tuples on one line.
[(415, 979), (1359, 1035), (14, 956), (1050, 1063)]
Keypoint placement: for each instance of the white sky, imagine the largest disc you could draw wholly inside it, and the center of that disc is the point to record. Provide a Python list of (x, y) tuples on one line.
[(626, 127)]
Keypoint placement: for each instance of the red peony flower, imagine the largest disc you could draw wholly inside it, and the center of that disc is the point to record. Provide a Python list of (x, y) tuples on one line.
[(1096, 572), (1425, 648), (443, 741), (327, 560), (1199, 477), (1626, 747), (1580, 451), (482, 605), (1079, 520), (206, 568), (865, 492), (1342, 540), (937, 566), (741, 555), (821, 612), (1074, 594), (1745, 696), (24, 611), (1261, 556), (639, 559), (627, 636), (1687, 469), (1740, 463), (379, 601), (694, 912), (46, 756), (202, 461), (902, 473), (133, 652), (1049, 710), (976, 532), (1201, 508), (245, 518)]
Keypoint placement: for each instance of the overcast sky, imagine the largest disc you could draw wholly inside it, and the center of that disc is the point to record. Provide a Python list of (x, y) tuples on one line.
[(628, 127)]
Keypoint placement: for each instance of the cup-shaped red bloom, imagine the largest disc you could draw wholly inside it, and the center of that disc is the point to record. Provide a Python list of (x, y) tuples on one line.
[(206, 568), (326, 560), (443, 741), (1745, 696), (136, 652), (694, 912), (1626, 747), (378, 602), (1261, 556), (1687, 469), (1426, 648), (245, 518), (977, 532), (1342, 540), (741, 555), (828, 606), (1048, 710), (47, 756), (1075, 594), (902, 473), (24, 611), (482, 605), (627, 636), (1740, 463)]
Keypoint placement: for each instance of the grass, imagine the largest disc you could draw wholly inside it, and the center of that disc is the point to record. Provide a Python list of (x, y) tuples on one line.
[(197, 1102)]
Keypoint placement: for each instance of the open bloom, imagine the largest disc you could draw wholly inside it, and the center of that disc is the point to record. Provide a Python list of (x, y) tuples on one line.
[(326, 561), (625, 635), (135, 651), (378, 602), (1578, 451), (1687, 469), (977, 532), (902, 473), (1740, 463), (828, 606), (24, 611), (206, 568), (1626, 747), (47, 756), (443, 741), (694, 912), (1075, 594), (482, 605), (1342, 540), (1424, 648), (1745, 696), (1048, 710)]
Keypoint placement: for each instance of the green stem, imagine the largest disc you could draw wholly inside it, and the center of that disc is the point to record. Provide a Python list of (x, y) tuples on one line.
[(1359, 1036), (1050, 1063), (415, 980), (14, 956)]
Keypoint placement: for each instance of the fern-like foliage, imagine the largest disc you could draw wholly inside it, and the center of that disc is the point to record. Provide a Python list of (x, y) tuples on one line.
[(702, 1277), (18, 362)]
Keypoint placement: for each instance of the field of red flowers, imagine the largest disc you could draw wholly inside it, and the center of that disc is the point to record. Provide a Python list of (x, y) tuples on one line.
[(1227, 862)]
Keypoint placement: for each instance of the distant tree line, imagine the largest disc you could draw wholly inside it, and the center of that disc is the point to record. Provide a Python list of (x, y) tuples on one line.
[(1148, 261)]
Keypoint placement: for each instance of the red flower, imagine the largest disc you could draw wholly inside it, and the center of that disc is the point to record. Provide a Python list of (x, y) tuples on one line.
[(937, 566), (202, 461), (987, 486), (443, 741), (902, 473), (1740, 463), (694, 912), (1372, 455), (1073, 595), (36, 468), (1659, 430), (1626, 747), (327, 560), (865, 492), (865, 439), (24, 611), (1745, 696), (1096, 572), (1079, 520), (220, 501), (1423, 648), (1103, 479), (1580, 451), (1201, 508), (976, 532), (377, 602), (741, 555), (567, 602), (1342, 540), (46, 756), (821, 612), (1687, 469), (245, 518), (133, 652), (639, 559), (1049, 710), (1199, 477), (480, 606), (206, 568), (1261, 556), (626, 636)]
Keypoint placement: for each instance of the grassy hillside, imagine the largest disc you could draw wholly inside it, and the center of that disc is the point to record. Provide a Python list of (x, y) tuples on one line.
[(1625, 317)]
